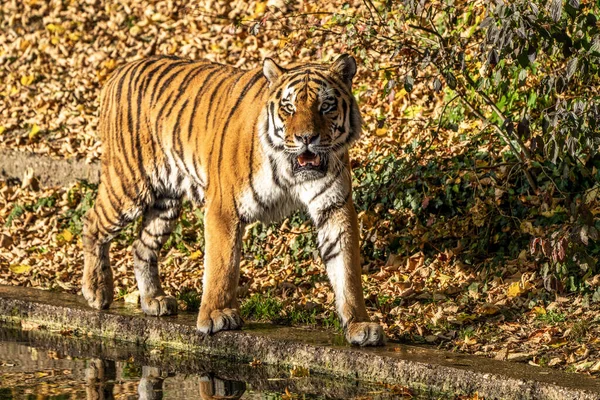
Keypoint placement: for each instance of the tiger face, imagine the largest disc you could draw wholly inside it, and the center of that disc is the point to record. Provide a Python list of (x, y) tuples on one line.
[(312, 115)]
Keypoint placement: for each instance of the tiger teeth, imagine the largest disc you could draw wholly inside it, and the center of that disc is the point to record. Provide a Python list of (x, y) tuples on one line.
[(314, 161)]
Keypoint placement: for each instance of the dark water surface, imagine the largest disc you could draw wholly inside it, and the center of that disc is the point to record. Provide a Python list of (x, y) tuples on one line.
[(42, 365)]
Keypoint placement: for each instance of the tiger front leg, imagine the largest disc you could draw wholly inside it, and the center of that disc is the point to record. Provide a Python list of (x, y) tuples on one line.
[(338, 238), (219, 308)]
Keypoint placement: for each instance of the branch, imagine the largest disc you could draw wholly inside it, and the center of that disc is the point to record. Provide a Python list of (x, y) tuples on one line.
[(494, 107), (502, 133)]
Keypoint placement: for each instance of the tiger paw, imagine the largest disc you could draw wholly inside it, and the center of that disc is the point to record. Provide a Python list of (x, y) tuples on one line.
[(98, 295), (365, 334), (219, 320), (159, 305)]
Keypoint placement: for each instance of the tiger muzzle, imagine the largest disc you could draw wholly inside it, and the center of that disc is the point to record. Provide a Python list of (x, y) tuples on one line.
[(309, 164)]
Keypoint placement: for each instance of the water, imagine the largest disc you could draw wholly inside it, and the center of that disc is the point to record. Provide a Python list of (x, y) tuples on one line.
[(44, 365)]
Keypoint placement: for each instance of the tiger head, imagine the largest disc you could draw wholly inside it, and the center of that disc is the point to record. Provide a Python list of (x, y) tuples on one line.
[(312, 116)]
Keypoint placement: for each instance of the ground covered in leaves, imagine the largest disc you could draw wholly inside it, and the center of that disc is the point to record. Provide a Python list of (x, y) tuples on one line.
[(445, 231)]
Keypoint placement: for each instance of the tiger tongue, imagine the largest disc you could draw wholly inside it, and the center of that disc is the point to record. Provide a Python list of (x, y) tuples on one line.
[(309, 158)]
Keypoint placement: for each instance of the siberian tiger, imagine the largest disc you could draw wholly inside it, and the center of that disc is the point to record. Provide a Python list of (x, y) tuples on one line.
[(249, 145)]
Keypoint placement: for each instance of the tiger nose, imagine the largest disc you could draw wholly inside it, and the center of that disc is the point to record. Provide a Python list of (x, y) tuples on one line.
[(307, 138)]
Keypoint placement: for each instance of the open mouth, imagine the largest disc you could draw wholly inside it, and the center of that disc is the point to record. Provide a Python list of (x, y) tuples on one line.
[(309, 162), (307, 158)]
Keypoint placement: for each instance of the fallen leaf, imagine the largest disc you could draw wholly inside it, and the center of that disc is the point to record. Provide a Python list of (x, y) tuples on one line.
[(20, 269)]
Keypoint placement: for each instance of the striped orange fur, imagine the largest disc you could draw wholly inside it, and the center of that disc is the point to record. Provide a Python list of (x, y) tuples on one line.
[(248, 145)]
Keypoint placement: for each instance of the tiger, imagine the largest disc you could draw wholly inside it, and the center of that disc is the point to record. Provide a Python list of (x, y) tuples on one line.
[(247, 145)]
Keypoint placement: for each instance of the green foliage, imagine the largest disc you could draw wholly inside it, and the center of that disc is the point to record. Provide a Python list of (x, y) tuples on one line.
[(191, 298), (15, 213), (82, 197), (528, 70), (262, 308), (552, 317)]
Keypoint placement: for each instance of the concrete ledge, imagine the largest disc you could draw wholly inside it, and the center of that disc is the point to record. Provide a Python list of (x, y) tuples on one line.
[(421, 368), (48, 171)]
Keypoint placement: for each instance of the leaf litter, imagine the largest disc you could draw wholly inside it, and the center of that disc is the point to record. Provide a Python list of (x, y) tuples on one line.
[(57, 55)]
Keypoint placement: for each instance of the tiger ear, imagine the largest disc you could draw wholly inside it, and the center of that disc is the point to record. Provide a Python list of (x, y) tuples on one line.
[(271, 70), (345, 68)]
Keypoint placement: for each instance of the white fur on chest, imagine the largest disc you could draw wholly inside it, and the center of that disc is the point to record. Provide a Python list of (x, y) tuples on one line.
[(267, 198), (274, 193)]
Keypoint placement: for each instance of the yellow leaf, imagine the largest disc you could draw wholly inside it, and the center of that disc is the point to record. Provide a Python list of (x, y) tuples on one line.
[(412, 111), (282, 43), (195, 255), (469, 341), (539, 310), (135, 30), (489, 309), (58, 29), (401, 93), (24, 45), (260, 8), (35, 129), (110, 64), (2, 129), (559, 344), (515, 289), (381, 131), (27, 80), (66, 236), (20, 269), (444, 279)]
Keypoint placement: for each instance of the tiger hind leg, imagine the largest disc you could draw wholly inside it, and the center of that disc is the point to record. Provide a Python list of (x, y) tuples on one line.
[(157, 224), (101, 223)]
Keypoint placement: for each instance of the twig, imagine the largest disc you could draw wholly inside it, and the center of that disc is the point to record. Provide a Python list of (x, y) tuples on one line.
[(479, 115)]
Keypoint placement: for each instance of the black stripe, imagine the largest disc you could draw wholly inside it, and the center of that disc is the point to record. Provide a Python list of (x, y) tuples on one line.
[(241, 96), (162, 207), (169, 218), (176, 134), (122, 134), (197, 99), (328, 184), (243, 220), (294, 83), (118, 128), (324, 215), (145, 77), (330, 257), (255, 196), (271, 113), (328, 250), (272, 144), (319, 82), (155, 235), (260, 91), (158, 117), (275, 174), (197, 172), (114, 203), (137, 255), (141, 94), (153, 246), (334, 81), (344, 111), (353, 129), (156, 93), (232, 86)]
